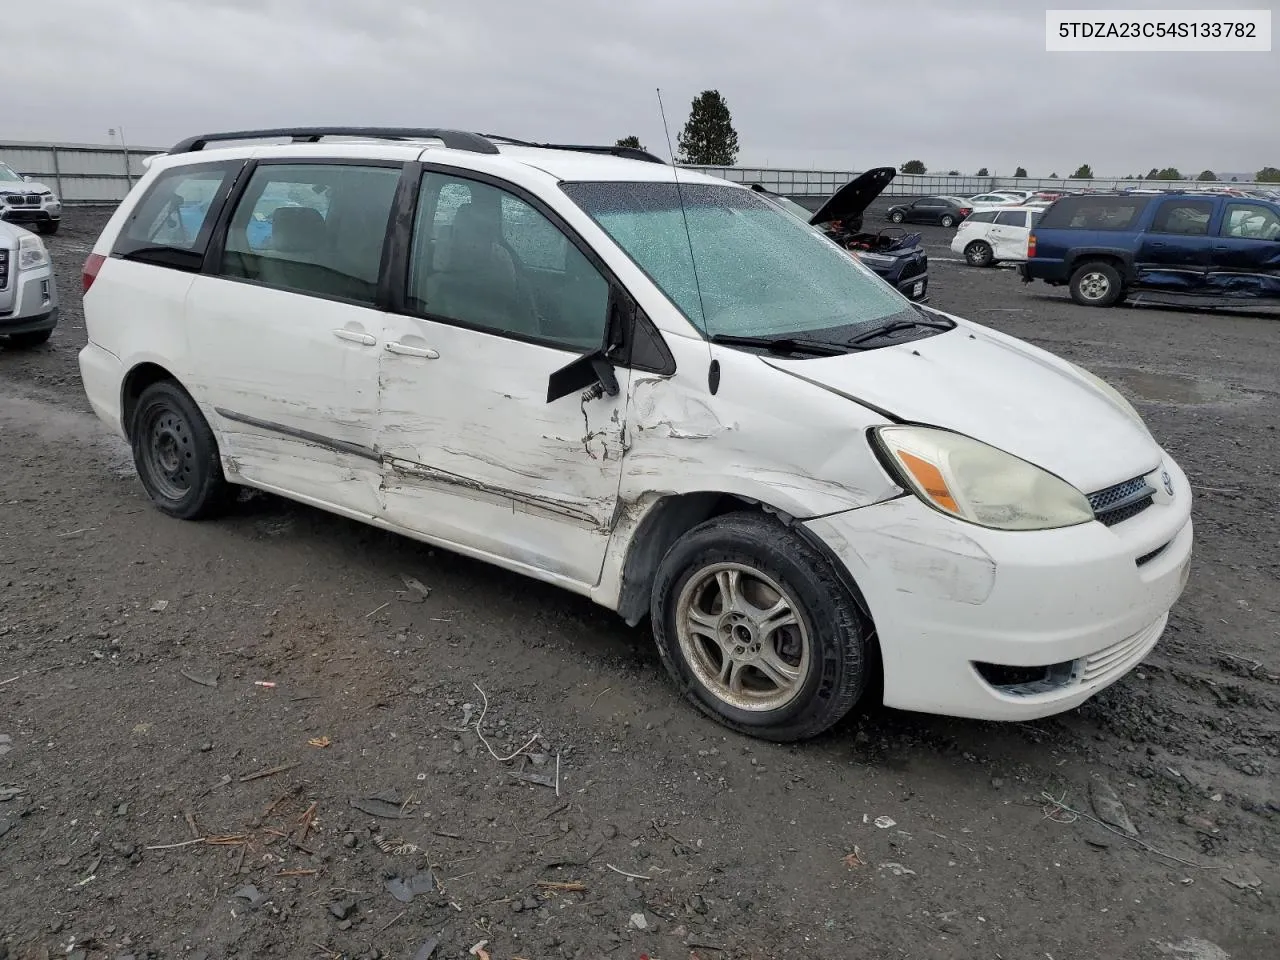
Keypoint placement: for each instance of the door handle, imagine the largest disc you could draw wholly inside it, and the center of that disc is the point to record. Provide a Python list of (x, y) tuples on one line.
[(407, 351), (355, 337)]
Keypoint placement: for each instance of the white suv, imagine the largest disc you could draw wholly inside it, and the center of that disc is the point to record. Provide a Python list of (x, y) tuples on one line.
[(647, 386)]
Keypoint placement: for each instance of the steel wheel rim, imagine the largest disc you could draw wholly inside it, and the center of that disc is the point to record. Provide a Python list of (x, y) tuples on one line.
[(1094, 286), (168, 453), (743, 637)]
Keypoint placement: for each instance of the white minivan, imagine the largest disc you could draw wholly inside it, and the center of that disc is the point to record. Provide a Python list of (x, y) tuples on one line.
[(996, 234), (647, 386)]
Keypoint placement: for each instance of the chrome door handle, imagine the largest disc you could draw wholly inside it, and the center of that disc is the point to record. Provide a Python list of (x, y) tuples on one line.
[(407, 351), (355, 337)]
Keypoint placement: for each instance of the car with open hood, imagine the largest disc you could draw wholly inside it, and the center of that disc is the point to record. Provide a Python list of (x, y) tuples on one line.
[(649, 387), (894, 254), (25, 200)]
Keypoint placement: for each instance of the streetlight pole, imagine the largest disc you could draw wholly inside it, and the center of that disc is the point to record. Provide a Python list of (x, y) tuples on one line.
[(128, 175)]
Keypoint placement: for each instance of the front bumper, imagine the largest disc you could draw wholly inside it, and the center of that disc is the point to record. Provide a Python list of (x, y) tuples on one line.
[(28, 301), (915, 288), (46, 212), (958, 609)]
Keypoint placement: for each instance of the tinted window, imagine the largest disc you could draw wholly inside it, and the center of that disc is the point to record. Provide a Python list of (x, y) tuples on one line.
[(930, 202), (1250, 221), (1012, 218), (982, 216), (1094, 213), (1190, 217), (315, 228), (172, 222), (1035, 217), (487, 259)]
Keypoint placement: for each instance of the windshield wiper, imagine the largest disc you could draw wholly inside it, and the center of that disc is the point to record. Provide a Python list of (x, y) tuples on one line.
[(783, 345), (897, 325)]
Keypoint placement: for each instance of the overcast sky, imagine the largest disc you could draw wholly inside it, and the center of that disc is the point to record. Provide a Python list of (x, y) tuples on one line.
[(832, 84)]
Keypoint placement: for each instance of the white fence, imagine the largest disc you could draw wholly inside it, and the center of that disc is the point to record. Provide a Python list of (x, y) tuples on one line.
[(823, 183), (80, 173), (97, 173)]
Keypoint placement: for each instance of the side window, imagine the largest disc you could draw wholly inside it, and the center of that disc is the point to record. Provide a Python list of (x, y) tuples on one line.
[(982, 216), (172, 222), (485, 258), (1187, 217), (1250, 221), (315, 228), (1012, 218)]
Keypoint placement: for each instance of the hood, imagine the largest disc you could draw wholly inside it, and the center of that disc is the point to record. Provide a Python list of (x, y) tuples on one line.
[(21, 186), (1000, 391), (853, 198)]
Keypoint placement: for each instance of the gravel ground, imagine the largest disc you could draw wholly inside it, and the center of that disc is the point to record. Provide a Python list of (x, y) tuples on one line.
[(156, 800)]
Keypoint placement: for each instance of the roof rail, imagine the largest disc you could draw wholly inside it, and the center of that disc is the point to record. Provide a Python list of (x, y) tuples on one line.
[(455, 139), (628, 153)]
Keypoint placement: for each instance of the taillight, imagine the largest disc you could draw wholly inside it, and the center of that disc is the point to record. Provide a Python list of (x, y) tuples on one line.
[(91, 267), (965, 211), (1031, 245)]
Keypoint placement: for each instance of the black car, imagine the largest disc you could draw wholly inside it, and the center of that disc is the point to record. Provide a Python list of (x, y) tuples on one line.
[(947, 211), (896, 256)]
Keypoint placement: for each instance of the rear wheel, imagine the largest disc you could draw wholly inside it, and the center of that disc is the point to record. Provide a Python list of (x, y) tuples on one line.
[(948, 220), (24, 341), (757, 630), (897, 216), (1096, 284), (176, 455), (979, 254), (48, 226)]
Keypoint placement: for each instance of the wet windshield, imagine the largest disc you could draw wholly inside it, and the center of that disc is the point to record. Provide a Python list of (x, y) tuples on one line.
[(760, 272), (7, 174)]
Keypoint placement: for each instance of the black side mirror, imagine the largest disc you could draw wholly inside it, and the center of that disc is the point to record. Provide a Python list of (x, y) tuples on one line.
[(590, 370)]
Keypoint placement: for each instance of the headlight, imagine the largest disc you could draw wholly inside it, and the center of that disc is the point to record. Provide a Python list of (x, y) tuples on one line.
[(1112, 394), (980, 484), (31, 252)]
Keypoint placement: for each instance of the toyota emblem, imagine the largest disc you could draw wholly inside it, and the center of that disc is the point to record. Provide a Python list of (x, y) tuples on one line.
[(1168, 482)]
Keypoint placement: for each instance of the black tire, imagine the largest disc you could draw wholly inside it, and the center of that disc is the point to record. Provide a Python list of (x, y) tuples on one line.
[(25, 341), (175, 454), (835, 632), (948, 220), (48, 227), (979, 254), (1096, 284), (897, 216)]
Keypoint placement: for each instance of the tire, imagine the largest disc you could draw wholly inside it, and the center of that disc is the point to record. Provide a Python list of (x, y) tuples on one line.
[(979, 254), (25, 341), (897, 216), (1096, 284), (948, 220), (176, 455), (822, 657), (48, 227)]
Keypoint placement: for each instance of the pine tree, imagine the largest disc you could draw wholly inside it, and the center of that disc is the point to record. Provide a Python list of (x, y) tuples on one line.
[(708, 138)]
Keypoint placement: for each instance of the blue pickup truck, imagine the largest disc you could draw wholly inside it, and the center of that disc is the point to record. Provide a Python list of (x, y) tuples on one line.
[(1172, 248)]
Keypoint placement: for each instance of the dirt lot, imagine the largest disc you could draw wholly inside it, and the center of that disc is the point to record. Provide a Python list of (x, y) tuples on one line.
[(147, 812)]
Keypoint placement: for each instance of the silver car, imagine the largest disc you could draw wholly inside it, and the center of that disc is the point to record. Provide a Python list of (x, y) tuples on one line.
[(28, 294)]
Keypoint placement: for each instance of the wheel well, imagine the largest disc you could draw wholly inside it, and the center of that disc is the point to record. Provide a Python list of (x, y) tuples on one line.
[(137, 380), (672, 517), (1109, 259)]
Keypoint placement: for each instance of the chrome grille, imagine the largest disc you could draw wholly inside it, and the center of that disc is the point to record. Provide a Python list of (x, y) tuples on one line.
[(4, 269), (1121, 502)]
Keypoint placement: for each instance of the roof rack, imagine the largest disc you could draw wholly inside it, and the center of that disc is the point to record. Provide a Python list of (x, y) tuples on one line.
[(455, 139), (628, 153)]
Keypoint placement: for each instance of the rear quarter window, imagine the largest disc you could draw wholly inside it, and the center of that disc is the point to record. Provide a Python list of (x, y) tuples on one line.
[(172, 222), (1094, 213), (982, 216)]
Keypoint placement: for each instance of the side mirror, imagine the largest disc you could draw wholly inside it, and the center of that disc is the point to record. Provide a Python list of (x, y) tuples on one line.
[(27, 179), (590, 370)]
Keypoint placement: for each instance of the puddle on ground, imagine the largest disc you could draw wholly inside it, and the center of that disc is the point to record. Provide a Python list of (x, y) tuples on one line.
[(1170, 388)]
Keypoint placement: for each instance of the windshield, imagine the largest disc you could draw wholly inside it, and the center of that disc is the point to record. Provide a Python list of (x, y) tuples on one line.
[(760, 272), (7, 174), (792, 207)]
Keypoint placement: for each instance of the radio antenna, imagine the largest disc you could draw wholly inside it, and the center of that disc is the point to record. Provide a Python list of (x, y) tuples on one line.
[(684, 216)]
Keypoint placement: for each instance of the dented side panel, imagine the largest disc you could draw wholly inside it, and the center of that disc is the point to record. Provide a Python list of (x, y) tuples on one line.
[(473, 453)]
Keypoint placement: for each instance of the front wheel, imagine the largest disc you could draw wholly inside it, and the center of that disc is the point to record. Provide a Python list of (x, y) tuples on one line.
[(176, 454), (758, 631), (948, 220), (979, 254), (1096, 284), (897, 216)]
